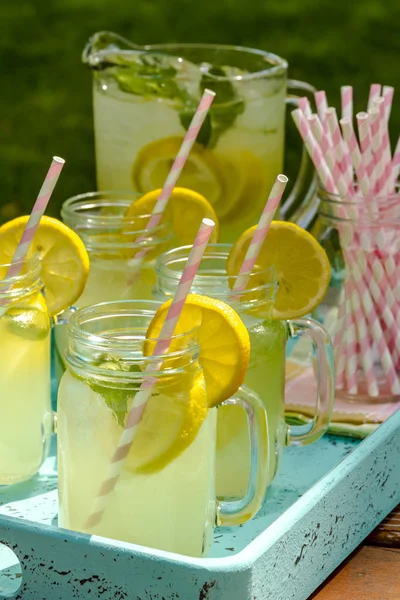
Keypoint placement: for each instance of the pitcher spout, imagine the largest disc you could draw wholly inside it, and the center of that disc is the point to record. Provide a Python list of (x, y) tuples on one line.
[(106, 48)]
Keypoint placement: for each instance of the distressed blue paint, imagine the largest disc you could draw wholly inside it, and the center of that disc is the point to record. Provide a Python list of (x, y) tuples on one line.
[(327, 498)]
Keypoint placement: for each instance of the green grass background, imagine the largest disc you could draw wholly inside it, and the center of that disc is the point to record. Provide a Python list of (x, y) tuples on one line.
[(46, 91)]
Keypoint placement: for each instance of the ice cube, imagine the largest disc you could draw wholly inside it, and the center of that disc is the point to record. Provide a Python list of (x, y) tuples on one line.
[(29, 323)]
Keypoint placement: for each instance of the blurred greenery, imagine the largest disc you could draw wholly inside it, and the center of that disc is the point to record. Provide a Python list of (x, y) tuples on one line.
[(46, 91)]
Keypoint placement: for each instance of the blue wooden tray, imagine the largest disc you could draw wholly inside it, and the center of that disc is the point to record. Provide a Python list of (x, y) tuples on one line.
[(327, 498)]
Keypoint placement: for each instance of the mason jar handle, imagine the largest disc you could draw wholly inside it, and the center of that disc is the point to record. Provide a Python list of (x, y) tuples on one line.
[(302, 203), (236, 512), (63, 317), (302, 435)]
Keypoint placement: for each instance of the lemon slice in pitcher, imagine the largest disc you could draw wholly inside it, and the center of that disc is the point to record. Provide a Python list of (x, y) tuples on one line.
[(300, 262), (64, 260), (185, 209), (202, 172)]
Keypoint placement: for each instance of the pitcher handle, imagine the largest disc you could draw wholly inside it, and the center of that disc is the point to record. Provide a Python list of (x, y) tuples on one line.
[(236, 512), (302, 435), (302, 203)]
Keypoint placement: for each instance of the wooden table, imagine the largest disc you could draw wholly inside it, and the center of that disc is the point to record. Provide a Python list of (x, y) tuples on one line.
[(372, 572)]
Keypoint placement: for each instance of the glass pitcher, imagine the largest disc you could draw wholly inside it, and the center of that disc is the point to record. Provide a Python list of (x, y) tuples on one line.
[(143, 102), (165, 495), (266, 372), (26, 420)]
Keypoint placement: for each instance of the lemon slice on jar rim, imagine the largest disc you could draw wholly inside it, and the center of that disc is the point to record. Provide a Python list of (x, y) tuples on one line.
[(63, 256)]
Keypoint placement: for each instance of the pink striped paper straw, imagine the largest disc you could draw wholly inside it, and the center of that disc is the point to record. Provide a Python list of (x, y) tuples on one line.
[(364, 134), (387, 94), (385, 143), (37, 212), (322, 106), (340, 149), (356, 156), (374, 92), (347, 101), (175, 171), (144, 392), (350, 341), (304, 105), (314, 151), (363, 337), (260, 233), (380, 103), (395, 168), (328, 153), (377, 150)]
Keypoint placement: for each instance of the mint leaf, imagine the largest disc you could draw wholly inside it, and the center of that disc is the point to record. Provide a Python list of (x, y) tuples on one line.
[(151, 75), (227, 105), (147, 75), (223, 111), (204, 136), (116, 398)]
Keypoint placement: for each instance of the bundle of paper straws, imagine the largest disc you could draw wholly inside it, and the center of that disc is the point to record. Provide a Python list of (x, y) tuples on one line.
[(363, 174)]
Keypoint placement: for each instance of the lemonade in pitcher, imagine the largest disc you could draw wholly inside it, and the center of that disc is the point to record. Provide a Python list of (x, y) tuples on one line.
[(25, 408), (144, 99), (165, 494)]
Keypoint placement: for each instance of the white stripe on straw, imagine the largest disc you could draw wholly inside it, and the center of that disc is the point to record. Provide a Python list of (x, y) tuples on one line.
[(164, 340), (260, 233), (174, 173), (37, 212)]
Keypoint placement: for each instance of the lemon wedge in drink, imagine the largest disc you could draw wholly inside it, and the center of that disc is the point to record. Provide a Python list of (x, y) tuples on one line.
[(64, 260), (185, 209), (170, 423), (300, 262), (224, 344)]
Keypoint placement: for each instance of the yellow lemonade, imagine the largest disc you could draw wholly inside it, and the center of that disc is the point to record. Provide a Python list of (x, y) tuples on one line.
[(184, 487), (25, 406)]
